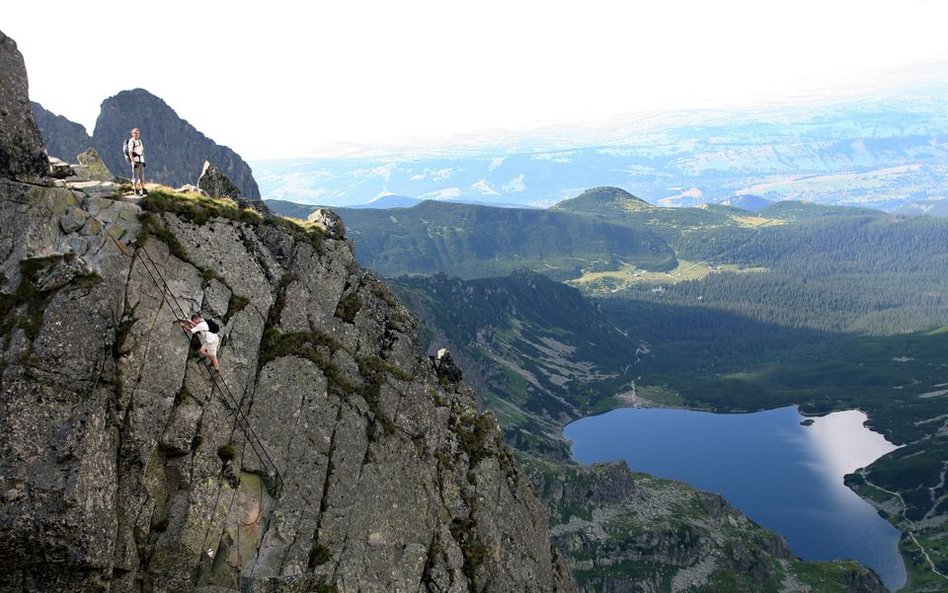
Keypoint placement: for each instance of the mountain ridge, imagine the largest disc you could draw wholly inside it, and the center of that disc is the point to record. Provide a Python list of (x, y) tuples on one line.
[(329, 455), (64, 139), (175, 149), (485, 240)]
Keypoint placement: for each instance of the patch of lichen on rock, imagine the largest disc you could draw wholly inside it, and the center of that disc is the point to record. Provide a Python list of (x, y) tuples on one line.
[(41, 279)]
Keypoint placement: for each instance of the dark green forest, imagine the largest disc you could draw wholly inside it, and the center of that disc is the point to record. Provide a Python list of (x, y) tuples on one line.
[(826, 308), (472, 241)]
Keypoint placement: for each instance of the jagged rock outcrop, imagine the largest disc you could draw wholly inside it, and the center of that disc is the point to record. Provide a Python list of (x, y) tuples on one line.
[(91, 166), (174, 150), (21, 145), (611, 522), (59, 169), (327, 220), (62, 137), (217, 184), (329, 454)]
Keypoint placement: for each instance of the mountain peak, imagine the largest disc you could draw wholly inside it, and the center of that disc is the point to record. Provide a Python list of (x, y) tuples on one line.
[(175, 149), (327, 454), (598, 200)]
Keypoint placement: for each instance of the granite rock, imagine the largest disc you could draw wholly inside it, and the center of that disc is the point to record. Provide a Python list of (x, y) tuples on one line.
[(215, 183), (63, 138), (328, 454), (22, 155), (174, 149)]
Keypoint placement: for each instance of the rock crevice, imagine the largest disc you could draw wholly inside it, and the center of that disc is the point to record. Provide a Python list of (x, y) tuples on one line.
[(328, 457), (164, 482)]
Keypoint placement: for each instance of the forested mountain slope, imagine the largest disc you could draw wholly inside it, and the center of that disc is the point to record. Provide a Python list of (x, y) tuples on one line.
[(473, 241), (544, 355), (824, 307)]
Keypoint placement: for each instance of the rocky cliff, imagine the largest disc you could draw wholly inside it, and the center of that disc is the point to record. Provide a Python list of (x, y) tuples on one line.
[(21, 146), (628, 532), (330, 455), (175, 150)]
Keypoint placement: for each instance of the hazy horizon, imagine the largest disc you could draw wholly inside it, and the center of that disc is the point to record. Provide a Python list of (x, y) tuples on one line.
[(285, 80)]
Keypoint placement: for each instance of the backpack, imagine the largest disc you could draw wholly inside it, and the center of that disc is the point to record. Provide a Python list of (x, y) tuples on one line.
[(125, 150), (213, 326)]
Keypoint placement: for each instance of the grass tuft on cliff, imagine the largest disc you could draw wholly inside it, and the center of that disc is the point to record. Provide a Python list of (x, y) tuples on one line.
[(201, 210)]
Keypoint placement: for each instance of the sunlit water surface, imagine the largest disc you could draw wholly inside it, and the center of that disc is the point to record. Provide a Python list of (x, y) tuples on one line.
[(783, 475)]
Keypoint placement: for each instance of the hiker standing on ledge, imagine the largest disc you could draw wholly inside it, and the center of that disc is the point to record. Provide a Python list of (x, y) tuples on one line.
[(209, 340), (136, 156)]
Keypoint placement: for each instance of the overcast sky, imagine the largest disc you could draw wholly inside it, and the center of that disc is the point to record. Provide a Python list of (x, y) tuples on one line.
[(285, 79)]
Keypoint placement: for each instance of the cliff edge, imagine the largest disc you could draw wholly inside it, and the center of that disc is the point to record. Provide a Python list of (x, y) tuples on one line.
[(330, 455)]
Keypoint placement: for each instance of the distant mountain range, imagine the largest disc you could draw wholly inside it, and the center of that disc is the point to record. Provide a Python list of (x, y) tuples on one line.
[(890, 154), (391, 201), (302, 211), (604, 233), (474, 241)]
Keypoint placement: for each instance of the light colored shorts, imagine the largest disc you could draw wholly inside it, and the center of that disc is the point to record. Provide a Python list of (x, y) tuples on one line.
[(211, 348)]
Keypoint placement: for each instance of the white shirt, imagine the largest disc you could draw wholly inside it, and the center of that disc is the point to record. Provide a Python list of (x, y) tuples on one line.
[(137, 150), (206, 335)]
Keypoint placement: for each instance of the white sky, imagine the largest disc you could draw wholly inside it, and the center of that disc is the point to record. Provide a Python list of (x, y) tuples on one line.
[(285, 79)]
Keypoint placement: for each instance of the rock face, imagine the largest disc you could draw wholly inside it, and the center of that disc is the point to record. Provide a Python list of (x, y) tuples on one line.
[(174, 149), (328, 221), (329, 454), (63, 138), (91, 166), (217, 184), (21, 145), (611, 523)]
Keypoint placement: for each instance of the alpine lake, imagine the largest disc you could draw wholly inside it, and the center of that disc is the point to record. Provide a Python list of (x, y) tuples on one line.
[(779, 468)]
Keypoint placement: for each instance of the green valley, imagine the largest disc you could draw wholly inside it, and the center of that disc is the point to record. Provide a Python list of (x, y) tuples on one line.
[(472, 241), (607, 301)]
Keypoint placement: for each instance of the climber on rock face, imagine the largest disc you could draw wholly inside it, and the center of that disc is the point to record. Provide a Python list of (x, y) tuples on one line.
[(209, 340)]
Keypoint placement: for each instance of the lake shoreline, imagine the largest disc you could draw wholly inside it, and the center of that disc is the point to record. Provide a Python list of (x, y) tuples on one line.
[(634, 402)]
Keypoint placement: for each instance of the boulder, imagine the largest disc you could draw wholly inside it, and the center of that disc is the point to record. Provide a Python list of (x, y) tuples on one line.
[(59, 169), (92, 167), (217, 184), (22, 155), (328, 221), (188, 188)]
